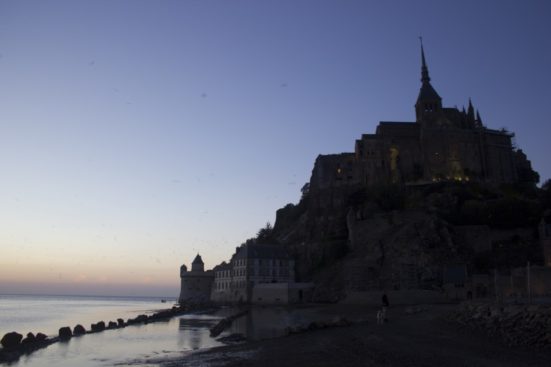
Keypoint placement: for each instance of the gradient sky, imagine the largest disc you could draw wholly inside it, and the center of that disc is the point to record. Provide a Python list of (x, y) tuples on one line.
[(134, 134)]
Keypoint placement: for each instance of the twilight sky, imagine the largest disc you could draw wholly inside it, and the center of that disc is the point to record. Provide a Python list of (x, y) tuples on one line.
[(134, 134)]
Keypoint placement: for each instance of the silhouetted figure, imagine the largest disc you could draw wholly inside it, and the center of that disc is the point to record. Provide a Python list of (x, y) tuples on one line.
[(385, 301)]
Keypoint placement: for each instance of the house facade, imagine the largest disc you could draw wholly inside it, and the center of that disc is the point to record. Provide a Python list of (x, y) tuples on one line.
[(258, 273)]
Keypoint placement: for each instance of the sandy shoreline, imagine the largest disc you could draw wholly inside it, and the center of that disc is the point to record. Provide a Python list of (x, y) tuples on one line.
[(425, 338)]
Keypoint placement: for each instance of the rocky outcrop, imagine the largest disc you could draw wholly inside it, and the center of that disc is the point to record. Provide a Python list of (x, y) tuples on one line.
[(11, 340), (514, 324), (98, 327), (348, 238), (79, 330), (29, 339), (13, 349), (65, 333)]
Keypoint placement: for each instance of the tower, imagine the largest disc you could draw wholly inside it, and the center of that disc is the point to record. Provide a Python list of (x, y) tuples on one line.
[(195, 285), (197, 265), (429, 103)]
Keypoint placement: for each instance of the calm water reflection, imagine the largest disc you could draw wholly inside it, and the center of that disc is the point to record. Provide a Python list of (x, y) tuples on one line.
[(185, 333), (194, 331), (123, 346)]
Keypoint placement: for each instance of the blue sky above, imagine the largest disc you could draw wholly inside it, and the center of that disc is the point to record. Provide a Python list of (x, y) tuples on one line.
[(134, 134)]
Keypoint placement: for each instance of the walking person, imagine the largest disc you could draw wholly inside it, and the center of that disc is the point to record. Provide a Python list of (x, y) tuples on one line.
[(385, 300), (386, 304)]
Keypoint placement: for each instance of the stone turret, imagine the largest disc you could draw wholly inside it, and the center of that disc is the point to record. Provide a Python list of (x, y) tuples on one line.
[(195, 284), (197, 264)]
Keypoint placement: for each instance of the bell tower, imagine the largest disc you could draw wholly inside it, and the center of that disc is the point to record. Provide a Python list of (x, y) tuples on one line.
[(429, 103)]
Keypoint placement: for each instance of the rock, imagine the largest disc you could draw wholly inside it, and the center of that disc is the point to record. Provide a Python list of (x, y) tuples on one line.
[(231, 339), (141, 318), (29, 339), (11, 340), (138, 319), (65, 333), (340, 321), (40, 337), (313, 326), (516, 325), (97, 327), (112, 325), (120, 322), (79, 330)]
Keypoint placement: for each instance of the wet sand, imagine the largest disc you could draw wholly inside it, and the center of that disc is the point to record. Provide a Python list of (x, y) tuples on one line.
[(421, 339)]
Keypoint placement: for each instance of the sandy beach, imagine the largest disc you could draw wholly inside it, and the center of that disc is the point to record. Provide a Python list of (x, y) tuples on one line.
[(425, 338)]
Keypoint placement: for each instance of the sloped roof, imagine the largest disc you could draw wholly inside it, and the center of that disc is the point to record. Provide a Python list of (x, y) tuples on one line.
[(257, 251), (198, 260), (427, 92), (223, 266)]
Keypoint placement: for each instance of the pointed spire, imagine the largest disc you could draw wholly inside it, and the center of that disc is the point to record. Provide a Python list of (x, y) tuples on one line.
[(478, 119), (424, 69), (429, 103), (470, 109), (470, 113), (198, 259)]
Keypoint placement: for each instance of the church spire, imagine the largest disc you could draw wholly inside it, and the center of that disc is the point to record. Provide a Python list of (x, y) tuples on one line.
[(478, 120), (429, 103), (424, 69)]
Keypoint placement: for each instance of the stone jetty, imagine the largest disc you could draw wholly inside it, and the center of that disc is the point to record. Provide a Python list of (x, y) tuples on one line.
[(225, 323), (14, 345)]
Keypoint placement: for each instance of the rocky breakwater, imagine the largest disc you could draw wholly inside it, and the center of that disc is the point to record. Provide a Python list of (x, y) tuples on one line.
[(528, 325), (14, 345), (225, 323)]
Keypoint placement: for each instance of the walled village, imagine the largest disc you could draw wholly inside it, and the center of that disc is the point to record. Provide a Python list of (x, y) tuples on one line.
[(439, 209)]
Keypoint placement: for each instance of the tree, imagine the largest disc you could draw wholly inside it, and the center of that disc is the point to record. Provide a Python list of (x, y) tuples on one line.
[(264, 233)]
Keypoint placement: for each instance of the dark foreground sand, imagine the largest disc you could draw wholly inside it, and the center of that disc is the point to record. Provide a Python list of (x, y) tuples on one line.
[(421, 339)]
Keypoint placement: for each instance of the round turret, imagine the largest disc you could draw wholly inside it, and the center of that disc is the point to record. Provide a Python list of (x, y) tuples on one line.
[(183, 270)]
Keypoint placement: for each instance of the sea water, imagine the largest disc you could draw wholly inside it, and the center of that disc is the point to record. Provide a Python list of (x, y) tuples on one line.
[(120, 346), (135, 344)]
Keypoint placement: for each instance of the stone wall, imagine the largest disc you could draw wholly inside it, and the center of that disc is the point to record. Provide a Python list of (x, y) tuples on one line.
[(196, 287)]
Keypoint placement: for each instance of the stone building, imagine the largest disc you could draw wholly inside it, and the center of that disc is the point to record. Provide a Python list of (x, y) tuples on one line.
[(195, 284), (256, 269), (222, 285), (442, 144)]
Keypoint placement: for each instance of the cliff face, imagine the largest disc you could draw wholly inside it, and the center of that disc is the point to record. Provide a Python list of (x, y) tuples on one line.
[(349, 237)]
